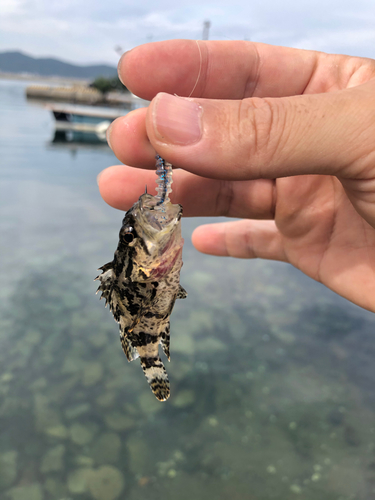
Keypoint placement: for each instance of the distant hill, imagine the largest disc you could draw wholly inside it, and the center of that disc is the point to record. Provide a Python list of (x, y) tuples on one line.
[(18, 62)]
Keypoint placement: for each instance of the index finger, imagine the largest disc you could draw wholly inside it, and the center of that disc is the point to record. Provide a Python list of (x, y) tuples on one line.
[(120, 186), (217, 69)]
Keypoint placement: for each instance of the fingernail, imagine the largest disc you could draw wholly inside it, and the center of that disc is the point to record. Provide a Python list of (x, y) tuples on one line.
[(177, 120), (98, 177), (108, 135), (119, 67)]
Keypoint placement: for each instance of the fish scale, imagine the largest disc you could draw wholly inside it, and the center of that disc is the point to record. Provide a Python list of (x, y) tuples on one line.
[(142, 282)]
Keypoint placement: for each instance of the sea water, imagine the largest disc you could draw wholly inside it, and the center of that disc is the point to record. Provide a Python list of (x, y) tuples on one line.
[(272, 375)]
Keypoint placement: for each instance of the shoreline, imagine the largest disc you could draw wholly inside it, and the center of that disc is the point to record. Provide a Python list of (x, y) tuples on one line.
[(46, 89), (32, 77)]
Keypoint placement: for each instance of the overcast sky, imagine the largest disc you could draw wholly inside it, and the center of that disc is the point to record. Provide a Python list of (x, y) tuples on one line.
[(87, 31)]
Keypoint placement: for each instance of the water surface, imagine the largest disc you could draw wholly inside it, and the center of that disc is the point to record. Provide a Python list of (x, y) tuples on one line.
[(272, 376)]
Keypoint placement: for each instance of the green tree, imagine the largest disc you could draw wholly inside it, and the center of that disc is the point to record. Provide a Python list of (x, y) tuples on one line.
[(105, 85)]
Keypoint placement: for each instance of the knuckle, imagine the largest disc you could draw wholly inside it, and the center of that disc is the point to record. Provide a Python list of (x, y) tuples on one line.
[(224, 198), (260, 128)]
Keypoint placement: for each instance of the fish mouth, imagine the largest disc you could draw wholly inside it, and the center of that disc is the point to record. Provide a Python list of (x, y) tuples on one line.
[(159, 216), (160, 229)]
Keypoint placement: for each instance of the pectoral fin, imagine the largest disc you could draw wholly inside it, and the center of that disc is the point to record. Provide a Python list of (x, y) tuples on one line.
[(106, 279), (182, 293), (130, 351)]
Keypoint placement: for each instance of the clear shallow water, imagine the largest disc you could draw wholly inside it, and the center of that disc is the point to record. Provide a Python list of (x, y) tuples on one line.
[(272, 375)]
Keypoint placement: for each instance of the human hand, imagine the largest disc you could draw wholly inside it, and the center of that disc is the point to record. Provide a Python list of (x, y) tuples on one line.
[(282, 138)]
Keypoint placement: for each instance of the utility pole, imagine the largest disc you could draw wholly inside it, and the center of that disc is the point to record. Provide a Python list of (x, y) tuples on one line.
[(206, 29), (119, 50)]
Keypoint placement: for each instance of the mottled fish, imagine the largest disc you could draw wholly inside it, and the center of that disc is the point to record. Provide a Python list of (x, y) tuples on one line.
[(142, 282)]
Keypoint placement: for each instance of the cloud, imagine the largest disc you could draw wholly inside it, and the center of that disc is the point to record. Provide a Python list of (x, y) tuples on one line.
[(88, 30)]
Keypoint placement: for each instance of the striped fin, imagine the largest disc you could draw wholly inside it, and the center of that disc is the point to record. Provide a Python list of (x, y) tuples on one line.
[(182, 293), (156, 376), (130, 351), (106, 279), (165, 340)]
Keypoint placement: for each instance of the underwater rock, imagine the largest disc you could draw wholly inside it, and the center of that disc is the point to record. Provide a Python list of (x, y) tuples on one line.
[(30, 492), (178, 371), (8, 468), (63, 389), (24, 351), (201, 320), (32, 337), (57, 431), (69, 299), (44, 415), (294, 488), (200, 279), (106, 449), (183, 398), (56, 488), (53, 460), (148, 403), (106, 483), (119, 422), (238, 328), (183, 344), (106, 399), (97, 339), (77, 411), (78, 480), (82, 434), (139, 454), (281, 334), (38, 384), (72, 364), (92, 373), (6, 378), (4, 390), (210, 344), (84, 461), (167, 468)]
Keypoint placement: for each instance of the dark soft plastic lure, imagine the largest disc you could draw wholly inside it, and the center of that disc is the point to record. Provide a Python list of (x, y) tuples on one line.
[(142, 282)]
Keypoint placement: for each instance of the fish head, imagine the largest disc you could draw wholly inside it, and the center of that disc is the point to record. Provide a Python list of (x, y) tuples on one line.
[(151, 234)]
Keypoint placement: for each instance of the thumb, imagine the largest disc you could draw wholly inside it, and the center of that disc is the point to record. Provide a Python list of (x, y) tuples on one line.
[(328, 133)]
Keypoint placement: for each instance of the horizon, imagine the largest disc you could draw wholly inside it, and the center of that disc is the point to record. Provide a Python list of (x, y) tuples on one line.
[(27, 54)]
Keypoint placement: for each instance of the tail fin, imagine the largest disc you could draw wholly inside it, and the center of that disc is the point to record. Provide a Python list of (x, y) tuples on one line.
[(157, 377)]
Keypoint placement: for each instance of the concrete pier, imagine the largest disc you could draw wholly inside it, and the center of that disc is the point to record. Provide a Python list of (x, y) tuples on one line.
[(79, 94)]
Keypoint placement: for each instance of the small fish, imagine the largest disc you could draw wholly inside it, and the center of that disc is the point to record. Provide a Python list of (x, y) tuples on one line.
[(142, 282)]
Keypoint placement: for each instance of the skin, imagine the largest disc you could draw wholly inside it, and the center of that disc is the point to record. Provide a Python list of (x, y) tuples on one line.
[(286, 143)]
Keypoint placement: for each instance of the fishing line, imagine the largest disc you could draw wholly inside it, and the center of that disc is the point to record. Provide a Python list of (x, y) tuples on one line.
[(163, 168), (200, 69), (199, 72)]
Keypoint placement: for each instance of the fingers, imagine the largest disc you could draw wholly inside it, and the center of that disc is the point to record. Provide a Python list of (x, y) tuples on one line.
[(128, 139), (254, 138), (121, 186), (328, 133), (217, 69), (246, 239), (266, 138)]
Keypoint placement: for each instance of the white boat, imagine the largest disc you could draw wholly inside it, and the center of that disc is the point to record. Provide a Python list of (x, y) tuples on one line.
[(92, 120)]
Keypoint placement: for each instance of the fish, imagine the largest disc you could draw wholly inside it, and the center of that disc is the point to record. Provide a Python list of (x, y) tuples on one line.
[(142, 282)]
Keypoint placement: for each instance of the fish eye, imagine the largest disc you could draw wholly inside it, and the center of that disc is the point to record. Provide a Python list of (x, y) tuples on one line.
[(128, 235)]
